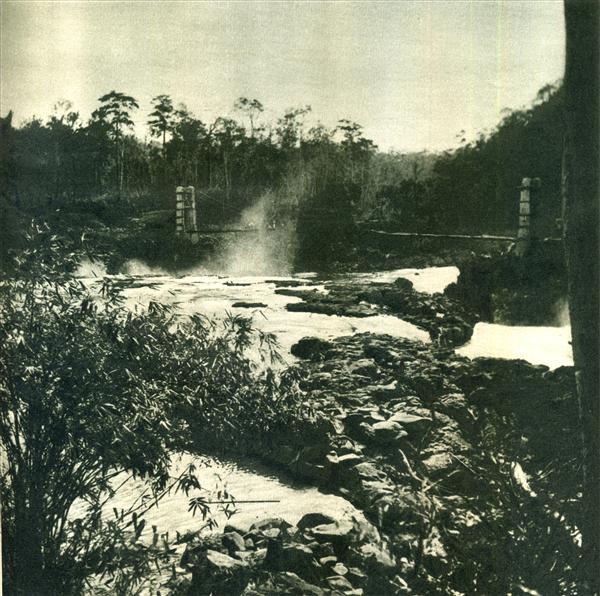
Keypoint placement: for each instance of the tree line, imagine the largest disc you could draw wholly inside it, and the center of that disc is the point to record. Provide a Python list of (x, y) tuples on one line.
[(66, 157), (309, 172)]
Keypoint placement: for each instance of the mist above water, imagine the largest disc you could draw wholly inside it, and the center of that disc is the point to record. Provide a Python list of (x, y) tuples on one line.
[(262, 248), (562, 313), (88, 269)]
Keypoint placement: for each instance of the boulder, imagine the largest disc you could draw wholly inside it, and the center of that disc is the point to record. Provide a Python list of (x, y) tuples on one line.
[(340, 569), (219, 562), (360, 420), (218, 573), (233, 541), (381, 353), (271, 522), (287, 583), (388, 432), (427, 386), (322, 379), (349, 459), (454, 405), (365, 432), (374, 559), (317, 306), (410, 420), (315, 472), (403, 285), (339, 534), (316, 452), (339, 583), (297, 558), (365, 367), (439, 465), (329, 561), (311, 348), (249, 305), (368, 471), (414, 425), (272, 533), (324, 549), (361, 311), (310, 520), (234, 528), (455, 335), (383, 392), (357, 577)]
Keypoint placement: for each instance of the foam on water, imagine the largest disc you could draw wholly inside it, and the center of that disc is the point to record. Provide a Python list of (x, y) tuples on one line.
[(245, 481), (429, 280), (539, 345), (213, 295)]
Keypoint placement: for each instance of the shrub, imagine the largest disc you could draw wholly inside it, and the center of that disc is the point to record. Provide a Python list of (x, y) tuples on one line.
[(89, 389)]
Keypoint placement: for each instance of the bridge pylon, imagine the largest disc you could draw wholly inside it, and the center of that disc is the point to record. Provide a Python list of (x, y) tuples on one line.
[(186, 225)]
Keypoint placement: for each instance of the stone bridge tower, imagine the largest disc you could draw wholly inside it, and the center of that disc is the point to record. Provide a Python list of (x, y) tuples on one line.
[(186, 225)]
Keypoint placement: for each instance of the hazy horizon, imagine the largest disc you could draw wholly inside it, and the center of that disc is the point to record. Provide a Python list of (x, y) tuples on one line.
[(414, 74)]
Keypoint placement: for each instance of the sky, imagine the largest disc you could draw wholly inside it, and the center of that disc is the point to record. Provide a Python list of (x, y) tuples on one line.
[(414, 74)]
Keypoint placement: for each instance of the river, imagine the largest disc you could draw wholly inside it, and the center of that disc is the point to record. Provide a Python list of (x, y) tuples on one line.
[(213, 295)]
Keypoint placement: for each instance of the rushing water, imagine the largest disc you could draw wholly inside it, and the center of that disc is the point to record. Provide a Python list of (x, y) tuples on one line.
[(264, 494), (539, 345), (214, 295)]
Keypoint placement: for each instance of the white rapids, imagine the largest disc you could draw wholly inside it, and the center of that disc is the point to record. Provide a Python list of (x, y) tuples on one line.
[(213, 296)]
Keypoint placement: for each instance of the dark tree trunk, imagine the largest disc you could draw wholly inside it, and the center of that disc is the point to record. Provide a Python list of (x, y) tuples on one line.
[(28, 559), (581, 196)]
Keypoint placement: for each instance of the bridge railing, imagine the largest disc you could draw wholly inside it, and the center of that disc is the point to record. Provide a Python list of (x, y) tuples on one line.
[(527, 233)]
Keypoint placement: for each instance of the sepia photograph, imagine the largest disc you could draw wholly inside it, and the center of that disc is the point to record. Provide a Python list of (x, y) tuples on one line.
[(299, 298)]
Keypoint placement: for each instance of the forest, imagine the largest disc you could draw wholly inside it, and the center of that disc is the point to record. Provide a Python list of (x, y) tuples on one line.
[(322, 181), (466, 470)]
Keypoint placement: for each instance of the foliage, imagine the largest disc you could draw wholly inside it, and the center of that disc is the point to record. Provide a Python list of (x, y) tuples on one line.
[(232, 163), (252, 108), (114, 114), (476, 186), (115, 111), (160, 120), (325, 226), (90, 389)]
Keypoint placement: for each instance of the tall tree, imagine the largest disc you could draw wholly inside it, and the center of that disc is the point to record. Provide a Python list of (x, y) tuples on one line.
[(115, 111), (188, 142), (357, 147), (62, 125), (161, 119), (252, 108), (290, 128), (581, 196), (227, 134)]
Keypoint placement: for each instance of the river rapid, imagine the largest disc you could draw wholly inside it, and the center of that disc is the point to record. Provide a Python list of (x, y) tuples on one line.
[(214, 295)]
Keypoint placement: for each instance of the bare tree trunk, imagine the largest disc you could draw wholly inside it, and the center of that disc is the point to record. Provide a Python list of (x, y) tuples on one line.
[(164, 156), (227, 177), (122, 170), (581, 196)]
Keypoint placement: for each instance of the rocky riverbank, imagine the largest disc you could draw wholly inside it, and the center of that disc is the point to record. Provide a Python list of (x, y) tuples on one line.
[(461, 468), (504, 288), (318, 556), (448, 322), (458, 465)]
